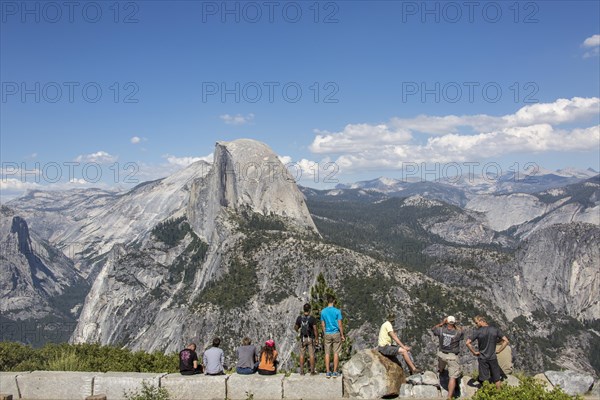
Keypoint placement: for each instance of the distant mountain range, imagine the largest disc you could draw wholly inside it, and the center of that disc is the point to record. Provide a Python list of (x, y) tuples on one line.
[(212, 251), (510, 182)]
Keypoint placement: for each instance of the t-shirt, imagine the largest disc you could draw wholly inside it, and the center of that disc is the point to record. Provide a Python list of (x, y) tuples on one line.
[(246, 356), (267, 365), (311, 323), (331, 316), (449, 339), (186, 360), (213, 360), (384, 334), (486, 337)]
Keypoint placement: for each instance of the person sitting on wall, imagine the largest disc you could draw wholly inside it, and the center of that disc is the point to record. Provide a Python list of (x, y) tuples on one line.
[(188, 361), (247, 358), (214, 359), (268, 359)]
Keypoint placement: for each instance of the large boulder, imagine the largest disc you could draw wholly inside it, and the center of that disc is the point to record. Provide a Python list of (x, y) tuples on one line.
[(370, 375), (571, 382)]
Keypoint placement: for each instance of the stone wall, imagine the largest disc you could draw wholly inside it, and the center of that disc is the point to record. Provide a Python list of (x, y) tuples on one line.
[(47, 385)]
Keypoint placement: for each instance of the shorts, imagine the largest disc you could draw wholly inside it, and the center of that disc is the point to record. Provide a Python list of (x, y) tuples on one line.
[(332, 340), (487, 368), (307, 343), (450, 361), (389, 350)]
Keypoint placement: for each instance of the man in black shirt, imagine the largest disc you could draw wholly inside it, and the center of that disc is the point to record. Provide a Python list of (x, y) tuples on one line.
[(306, 325), (188, 361), (487, 336), (450, 336)]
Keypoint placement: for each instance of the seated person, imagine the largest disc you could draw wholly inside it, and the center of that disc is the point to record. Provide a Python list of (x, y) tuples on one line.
[(268, 359), (214, 359), (247, 358), (188, 361)]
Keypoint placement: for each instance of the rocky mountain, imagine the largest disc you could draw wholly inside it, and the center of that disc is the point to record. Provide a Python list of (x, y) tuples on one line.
[(37, 281), (77, 221), (526, 213), (459, 189), (232, 249)]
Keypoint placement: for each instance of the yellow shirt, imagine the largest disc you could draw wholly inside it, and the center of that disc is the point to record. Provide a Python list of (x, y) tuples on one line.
[(384, 334)]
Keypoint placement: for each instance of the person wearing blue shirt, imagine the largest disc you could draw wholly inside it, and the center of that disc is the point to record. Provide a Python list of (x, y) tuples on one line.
[(331, 320)]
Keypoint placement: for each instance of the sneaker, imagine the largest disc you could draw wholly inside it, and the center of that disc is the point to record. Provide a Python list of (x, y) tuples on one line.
[(328, 375), (301, 372), (335, 374), (313, 373)]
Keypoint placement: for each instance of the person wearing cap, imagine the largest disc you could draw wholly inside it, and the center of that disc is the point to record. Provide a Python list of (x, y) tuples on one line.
[(450, 336), (386, 347), (268, 359), (487, 336)]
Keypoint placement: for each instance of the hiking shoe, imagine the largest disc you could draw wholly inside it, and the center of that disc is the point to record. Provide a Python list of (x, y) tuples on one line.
[(335, 375), (328, 375), (313, 373)]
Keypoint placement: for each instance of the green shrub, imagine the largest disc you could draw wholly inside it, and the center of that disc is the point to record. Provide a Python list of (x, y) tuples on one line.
[(66, 361), (148, 392), (83, 357), (528, 389), (12, 354)]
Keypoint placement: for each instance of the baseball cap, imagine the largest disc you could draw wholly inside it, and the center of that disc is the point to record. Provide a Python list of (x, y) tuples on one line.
[(270, 343), (451, 319)]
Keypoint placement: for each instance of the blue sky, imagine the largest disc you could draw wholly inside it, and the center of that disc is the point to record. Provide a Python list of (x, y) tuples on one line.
[(362, 68)]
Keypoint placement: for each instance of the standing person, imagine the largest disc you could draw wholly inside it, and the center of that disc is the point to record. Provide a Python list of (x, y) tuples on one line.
[(487, 336), (306, 324), (268, 359), (247, 358), (214, 359), (188, 361), (450, 336), (385, 344), (331, 320)]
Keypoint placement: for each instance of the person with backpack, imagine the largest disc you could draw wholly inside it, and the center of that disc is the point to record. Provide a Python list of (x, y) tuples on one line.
[(306, 325)]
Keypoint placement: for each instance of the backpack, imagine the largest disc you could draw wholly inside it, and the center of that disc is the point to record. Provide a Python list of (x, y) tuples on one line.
[(304, 326)]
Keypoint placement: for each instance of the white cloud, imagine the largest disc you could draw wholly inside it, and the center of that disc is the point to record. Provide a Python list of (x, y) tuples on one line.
[(533, 128), (100, 157), (14, 185), (358, 137), (237, 119), (559, 112), (135, 139), (78, 181), (592, 43), (285, 159), (308, 170), (187, 160)]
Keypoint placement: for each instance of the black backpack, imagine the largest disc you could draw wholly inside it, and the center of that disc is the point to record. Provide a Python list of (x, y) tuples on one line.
[(304, 326)]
